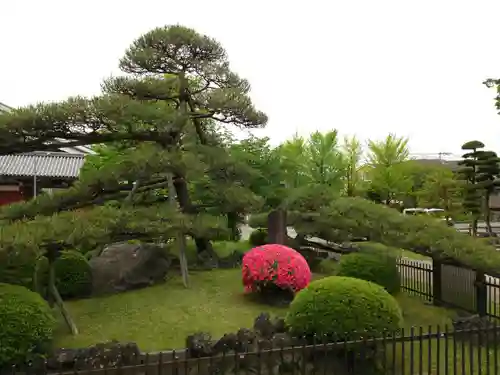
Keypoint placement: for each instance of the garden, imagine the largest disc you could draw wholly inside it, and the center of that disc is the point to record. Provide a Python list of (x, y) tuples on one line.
[(147, 251)]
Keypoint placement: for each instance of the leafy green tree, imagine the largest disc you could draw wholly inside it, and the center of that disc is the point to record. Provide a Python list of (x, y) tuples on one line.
[(294, 162), (389, 173), (266, 176), (441, 189), (325, 159), (392, 150), (353, 153)]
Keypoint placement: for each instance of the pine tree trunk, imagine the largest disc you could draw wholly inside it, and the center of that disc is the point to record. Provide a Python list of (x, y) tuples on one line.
[(181, 189), (474, 227), (55, 296), (232, 223), (276, 227), (487, 213), (181, 238)]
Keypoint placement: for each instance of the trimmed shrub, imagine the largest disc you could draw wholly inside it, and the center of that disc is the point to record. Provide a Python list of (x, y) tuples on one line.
[(258, 237), (377, 267), (328, 267), (226, 248), (378, 248), (18, 268), (341, 306), (258, 220), (73, 275), (275, 266), (26, 325)]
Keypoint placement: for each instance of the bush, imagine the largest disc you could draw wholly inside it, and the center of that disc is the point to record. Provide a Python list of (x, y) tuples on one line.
[(226, 248), (328, 267), (18, 268), (377, 267), (258, 237), (378, 248), (73, 275), (341, 306), (26, 325), (258, 220), (275, 265)]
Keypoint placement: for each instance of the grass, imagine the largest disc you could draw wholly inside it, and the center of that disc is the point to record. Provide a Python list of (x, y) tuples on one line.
[(160, 317), (414, 256)]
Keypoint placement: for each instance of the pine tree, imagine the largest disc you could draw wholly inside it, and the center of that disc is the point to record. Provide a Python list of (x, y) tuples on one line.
[(469, 173), (488, 170), (180, 84)]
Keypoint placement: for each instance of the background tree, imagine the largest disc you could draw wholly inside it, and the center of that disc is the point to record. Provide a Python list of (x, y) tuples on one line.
[(441, 189), (353, 153), (389, 177), (474, 192), (295, 162), (488, 170), (325, 159)]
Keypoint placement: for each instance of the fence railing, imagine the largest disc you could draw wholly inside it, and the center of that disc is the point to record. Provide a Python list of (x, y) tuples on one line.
[(452, 286), (415, 351)]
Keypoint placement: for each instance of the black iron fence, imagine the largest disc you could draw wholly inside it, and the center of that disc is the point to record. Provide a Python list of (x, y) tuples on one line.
[(453, 286), (416, 351)]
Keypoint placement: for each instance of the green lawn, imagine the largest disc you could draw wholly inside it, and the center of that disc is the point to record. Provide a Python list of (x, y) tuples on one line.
[(415, 256), (160, 317)]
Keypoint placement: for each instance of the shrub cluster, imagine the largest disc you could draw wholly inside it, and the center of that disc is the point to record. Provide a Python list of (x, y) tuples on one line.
[(17, 268), (26, 325), (259, 237), (276, 265), (378, 267), (73, 275), (343, 307)]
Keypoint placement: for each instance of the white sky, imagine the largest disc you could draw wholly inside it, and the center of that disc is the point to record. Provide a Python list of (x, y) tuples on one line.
[(364, 67)]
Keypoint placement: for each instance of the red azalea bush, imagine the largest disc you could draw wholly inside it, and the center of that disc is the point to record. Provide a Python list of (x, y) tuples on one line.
[(276, 266)]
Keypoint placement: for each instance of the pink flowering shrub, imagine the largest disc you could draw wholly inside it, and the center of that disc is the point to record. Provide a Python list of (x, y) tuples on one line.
[(275, 266)]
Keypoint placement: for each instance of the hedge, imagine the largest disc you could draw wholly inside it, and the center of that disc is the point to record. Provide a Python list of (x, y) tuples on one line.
[(73, 275), (343, 307), (26, 325)]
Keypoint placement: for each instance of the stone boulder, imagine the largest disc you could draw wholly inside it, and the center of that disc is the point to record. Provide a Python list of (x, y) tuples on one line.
[(108, 354), (124, 266)]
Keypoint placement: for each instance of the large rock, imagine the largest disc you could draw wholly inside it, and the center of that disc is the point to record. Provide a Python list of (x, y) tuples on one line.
[(125, 266), (108, 354)]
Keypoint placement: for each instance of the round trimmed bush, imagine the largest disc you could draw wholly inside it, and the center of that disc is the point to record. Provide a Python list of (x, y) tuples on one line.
[(18, 268), (275, 266), (26, 325), (379, 268), (341, 306), (73, 275), (258, 237)]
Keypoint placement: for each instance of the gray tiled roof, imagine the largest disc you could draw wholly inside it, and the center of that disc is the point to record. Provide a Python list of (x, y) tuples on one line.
[(44, 164)]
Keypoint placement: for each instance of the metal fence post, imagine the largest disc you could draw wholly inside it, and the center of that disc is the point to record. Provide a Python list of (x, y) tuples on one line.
[(481, 294), (437, 279)]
